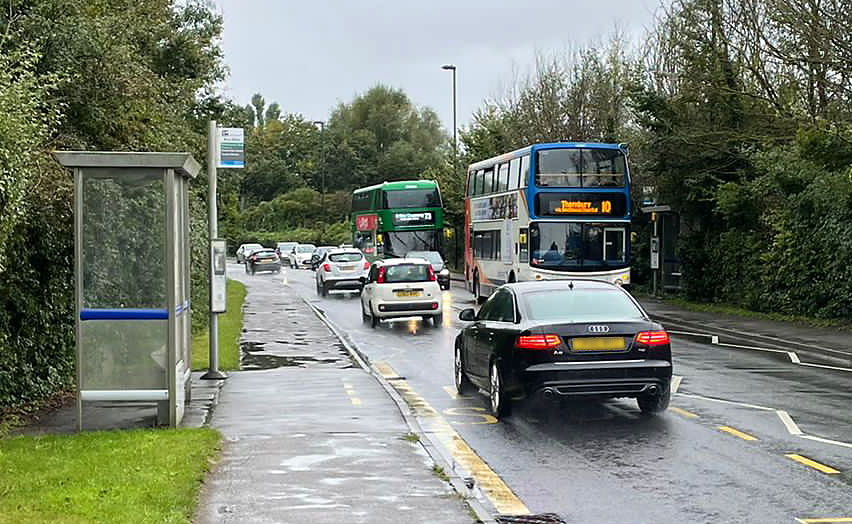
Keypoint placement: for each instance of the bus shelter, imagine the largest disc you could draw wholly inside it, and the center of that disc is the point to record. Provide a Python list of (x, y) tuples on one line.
[(131, 264)]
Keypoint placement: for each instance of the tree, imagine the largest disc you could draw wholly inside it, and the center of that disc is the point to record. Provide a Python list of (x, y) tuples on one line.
[(380, 136)]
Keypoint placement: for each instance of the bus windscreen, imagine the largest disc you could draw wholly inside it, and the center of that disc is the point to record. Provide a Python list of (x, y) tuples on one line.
[(411, 198)]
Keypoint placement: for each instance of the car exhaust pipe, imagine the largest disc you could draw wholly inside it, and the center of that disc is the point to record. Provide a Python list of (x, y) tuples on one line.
[(548, 394), (653, 389)]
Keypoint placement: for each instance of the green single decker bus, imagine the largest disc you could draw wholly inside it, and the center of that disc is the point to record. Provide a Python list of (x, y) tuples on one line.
[(393, 218)]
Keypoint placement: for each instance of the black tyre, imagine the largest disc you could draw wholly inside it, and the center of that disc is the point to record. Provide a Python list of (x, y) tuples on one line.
[(654, 403), (374, 320), (253, 271), (247, 267), (499, 401), (324, 289), (463, 384), (437, 320), (364, 317)]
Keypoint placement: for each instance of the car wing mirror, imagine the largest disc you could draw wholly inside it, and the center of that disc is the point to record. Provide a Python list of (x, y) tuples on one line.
[(467, 315)]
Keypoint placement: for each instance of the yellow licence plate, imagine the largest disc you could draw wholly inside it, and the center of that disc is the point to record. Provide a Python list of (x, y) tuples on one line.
[(408, 293), (598, 344)]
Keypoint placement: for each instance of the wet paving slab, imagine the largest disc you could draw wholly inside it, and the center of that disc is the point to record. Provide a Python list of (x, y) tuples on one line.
[(279, 331)]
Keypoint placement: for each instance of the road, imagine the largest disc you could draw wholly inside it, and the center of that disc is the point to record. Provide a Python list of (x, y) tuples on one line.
[(749, 438)]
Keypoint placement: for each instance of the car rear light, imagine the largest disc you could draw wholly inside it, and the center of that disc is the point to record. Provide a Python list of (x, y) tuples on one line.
[(366, 265), (653, 338), (380, 278), (537, 341), (326, 267), (434, 305), (432, 273)]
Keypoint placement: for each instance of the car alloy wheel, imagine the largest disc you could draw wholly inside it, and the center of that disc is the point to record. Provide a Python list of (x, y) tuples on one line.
[(462, 384), (500, 406)]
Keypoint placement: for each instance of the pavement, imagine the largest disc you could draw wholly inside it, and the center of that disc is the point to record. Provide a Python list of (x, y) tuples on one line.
[(311, 436)]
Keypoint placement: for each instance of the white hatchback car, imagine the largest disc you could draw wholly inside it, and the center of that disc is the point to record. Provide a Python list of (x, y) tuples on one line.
[(401, 287), (300, 255), (341, 269)]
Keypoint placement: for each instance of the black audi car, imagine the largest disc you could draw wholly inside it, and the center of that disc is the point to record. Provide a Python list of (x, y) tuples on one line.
[(555, 339)]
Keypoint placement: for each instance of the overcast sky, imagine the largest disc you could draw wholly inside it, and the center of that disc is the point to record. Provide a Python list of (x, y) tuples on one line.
[(309, 55)]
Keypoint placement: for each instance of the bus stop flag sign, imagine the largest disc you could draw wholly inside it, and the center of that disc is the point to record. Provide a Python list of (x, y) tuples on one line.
[(232, 152)]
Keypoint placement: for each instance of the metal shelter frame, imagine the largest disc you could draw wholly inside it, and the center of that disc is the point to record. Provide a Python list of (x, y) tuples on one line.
[(114, 336)]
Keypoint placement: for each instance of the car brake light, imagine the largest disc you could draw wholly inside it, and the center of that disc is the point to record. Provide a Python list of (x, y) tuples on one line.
[(653, 338), (432, 273), (366, 265), (380, 278), (537, 341), (326, 268)]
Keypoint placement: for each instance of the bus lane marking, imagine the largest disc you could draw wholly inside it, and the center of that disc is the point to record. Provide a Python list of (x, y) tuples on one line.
[(501, 496), (828, 470)]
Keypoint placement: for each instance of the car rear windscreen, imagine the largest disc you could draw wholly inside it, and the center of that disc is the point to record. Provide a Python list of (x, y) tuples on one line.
[(345, 257), (407, 273), (580, 305)]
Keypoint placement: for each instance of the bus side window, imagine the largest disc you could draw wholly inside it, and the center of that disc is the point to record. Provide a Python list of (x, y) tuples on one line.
[(524, 255), (514, 173), (525, 171), (469, 187), (478, 182), (488, 179)]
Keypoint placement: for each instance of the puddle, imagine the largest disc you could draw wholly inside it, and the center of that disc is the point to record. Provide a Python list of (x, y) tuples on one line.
[(255, 358)]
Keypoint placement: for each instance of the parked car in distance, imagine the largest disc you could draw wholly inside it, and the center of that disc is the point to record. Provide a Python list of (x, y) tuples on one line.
[(319, 255), (558, 338), (437, 262), (263, 260), (245, 250), (401, 287), (341, 269), (282, 249), (300, 256)]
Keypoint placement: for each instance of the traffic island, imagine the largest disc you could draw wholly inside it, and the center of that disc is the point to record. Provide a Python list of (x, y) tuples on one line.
[(117, 476)]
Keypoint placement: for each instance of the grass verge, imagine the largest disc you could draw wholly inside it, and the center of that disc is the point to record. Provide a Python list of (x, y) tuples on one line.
[(116, 476), (230, 327)]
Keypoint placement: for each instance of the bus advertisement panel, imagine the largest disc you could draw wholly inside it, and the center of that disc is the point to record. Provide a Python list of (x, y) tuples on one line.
[(393, 218), (548, 211)]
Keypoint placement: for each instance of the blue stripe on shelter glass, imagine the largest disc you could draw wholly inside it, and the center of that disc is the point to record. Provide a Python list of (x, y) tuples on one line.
[(124, 314)]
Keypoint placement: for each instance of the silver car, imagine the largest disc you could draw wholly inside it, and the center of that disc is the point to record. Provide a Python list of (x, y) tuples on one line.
[(342, 269)]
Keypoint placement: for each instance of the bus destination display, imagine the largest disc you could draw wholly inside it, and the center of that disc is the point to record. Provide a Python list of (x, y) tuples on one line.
[(580, 204)]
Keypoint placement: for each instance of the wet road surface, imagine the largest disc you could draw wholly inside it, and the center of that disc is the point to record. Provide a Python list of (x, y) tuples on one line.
[(750, 437)]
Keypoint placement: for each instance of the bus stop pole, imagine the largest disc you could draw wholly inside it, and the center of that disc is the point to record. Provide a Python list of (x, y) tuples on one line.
[(213, 372)]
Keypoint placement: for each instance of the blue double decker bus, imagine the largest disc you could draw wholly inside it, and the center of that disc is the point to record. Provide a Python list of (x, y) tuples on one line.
[(548, 211)]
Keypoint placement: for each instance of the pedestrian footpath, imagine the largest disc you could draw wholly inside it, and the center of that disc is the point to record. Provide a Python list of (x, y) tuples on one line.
[(310, 437)]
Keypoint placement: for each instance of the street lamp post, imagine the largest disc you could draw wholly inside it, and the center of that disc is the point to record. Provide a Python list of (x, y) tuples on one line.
[(321, 125), (451, 67)]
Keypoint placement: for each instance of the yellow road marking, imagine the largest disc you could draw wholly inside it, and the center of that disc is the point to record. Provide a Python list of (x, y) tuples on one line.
[(683, 412), (831, 520), (451, 391), (736, 433), (355, 401), (465, 411), (817, 466), (504, 500)]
